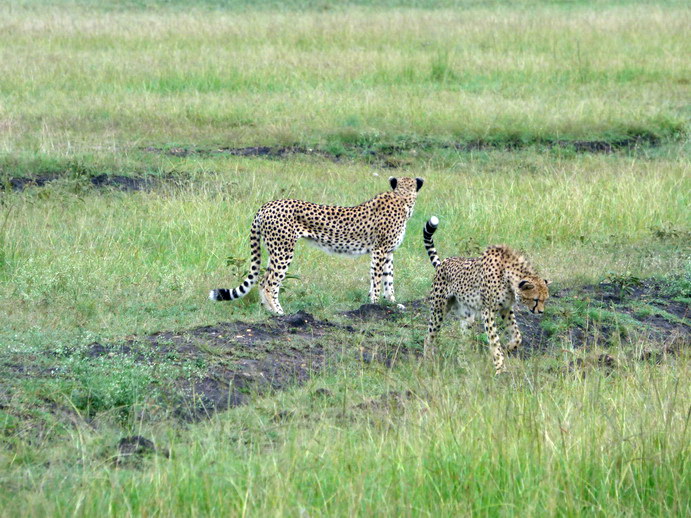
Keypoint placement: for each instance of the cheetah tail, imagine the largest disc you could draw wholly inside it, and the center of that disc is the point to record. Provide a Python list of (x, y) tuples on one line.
[(251, 280), (430, 228)]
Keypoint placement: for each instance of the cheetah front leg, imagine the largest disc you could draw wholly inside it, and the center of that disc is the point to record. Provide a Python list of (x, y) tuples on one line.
[(376, 269), (511, 329), (494, 344), (387, 278)]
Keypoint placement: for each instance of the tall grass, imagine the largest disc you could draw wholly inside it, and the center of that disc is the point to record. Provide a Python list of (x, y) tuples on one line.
[(462, 443), (72, 81)]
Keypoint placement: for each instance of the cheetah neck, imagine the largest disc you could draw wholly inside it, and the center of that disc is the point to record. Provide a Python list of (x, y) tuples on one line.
[(517, 269)]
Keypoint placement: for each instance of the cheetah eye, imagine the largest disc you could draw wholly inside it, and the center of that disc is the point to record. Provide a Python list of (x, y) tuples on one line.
[(535, 300)]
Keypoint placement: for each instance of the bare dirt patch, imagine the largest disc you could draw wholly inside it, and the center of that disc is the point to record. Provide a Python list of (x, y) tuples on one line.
[(385, 154), (671, 327), (101, 181), (392, 400), (21, 183), (369, 312), (288, 363), (249, 151)]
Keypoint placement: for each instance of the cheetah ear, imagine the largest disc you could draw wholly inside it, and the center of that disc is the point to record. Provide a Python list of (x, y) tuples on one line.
[(525, 285), (419, 182), (547, 281), (393, 181)]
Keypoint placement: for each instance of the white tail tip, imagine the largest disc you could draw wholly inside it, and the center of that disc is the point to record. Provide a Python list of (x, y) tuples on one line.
[(212, 295), (434, 221)]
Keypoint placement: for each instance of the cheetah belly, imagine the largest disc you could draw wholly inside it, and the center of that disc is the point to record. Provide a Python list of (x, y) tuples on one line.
[(399, 240), (463, 310), (347, 249)]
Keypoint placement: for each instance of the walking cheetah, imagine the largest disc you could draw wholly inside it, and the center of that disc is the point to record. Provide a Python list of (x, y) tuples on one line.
[(483, 286), (374, 227)]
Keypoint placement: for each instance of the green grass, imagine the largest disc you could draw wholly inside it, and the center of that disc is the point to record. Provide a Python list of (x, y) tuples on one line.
[(534, 442), (118, 263), (86, 87), (72, 81), (83, 265)]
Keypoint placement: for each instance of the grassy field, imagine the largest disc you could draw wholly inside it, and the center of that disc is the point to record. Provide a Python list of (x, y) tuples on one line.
[(75, 79), (127, 190)]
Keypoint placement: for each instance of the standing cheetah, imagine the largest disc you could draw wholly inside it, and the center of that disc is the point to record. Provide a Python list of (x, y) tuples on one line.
[(374, 227), (484, 286)]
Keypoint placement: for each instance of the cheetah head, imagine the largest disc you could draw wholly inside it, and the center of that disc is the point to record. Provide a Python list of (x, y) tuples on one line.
[(405, 185), (534, 293)]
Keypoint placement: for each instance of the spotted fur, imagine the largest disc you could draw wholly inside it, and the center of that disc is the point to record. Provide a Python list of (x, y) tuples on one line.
[(483, 287), (375, 227)]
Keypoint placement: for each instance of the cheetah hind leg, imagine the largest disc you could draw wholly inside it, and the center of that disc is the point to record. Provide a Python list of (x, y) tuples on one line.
[(265, 295), (280, 261)]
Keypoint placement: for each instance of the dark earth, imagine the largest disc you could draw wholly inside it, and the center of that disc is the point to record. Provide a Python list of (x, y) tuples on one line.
[(385, 150), (240, 359), (381, 155), (118, 182), (288, 350)]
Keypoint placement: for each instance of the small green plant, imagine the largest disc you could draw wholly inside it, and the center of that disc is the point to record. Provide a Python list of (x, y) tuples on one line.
[(111, 383), (625, 283)]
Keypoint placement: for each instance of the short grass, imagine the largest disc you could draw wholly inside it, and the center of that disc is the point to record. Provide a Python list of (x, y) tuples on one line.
[(86, 87), (76, 259)]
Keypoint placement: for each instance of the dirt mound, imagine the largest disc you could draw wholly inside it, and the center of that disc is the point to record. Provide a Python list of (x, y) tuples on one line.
[(374, 312), (242, 359), (644, 310), (131, 449), (124, 183), (663, 318), (392, 400), (21, 183)]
